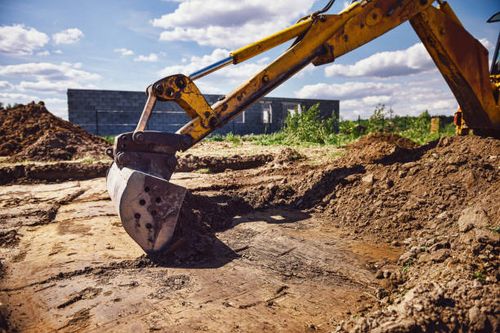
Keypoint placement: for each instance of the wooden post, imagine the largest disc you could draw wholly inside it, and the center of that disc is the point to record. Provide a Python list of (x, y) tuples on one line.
[(435, 125)]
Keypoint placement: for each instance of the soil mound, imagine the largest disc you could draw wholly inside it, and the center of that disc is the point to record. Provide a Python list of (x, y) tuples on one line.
[(288, 155), (30, 132), (378, 145)]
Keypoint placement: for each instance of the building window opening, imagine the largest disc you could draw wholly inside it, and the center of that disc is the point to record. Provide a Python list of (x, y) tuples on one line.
[(267, 113), (240, 119), (293, 108)]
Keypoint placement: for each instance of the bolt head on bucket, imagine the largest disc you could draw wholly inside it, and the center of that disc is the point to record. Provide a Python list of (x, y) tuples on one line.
[(148, 206)]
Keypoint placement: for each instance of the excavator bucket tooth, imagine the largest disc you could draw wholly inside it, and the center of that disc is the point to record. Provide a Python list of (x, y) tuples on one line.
[(148, 206)]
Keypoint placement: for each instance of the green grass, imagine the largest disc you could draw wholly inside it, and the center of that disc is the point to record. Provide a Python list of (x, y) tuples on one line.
[(109, 138), (307, 129)]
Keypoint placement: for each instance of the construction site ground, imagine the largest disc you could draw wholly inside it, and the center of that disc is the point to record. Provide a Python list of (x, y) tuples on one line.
[(382, 236)]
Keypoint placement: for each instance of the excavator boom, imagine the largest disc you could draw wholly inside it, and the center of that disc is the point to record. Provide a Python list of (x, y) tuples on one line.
[(138, 182)]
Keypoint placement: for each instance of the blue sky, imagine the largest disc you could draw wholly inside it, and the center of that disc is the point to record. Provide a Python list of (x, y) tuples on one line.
[(49, 46)]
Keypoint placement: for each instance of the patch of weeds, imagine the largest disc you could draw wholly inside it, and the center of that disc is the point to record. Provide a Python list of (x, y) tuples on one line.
[(480, 276), (203, 171), (336, 154), (234, 139), (308, 129), (216, 138), (495, 229), (109, 138), (407, 265)]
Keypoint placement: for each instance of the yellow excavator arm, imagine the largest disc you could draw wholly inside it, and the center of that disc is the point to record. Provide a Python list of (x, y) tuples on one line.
[(144, 161)]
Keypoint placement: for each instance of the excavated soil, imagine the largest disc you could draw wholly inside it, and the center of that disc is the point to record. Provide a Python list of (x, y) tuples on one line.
[(30, 132), (438, 201), (389, 237), (33, 173), (215, 164)]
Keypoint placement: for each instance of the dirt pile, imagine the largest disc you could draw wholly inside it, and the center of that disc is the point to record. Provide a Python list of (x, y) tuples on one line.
[(438, 201), (30, 132), (376, 146)]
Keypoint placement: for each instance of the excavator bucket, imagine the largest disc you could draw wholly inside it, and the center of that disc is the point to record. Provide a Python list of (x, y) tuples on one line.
[(138, 183), (148, 206)]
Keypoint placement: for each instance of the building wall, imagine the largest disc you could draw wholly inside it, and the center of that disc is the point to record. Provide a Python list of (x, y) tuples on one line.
[(107, 112)]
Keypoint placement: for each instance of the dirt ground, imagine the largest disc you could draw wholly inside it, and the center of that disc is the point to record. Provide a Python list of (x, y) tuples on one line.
[(384, 236), (272, 270)]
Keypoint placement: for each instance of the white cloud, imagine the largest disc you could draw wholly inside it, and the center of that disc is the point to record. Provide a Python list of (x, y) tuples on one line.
[(52, 86), (68, 36), (6, 85), (413, 60), (221, 23), (348, 90), (487, 44), (152, 57), (21, 40), (58, 52), (44, 81), (12, 98), (62, 71), (406, 98), (124, 52), (43, 53), (49, 77)]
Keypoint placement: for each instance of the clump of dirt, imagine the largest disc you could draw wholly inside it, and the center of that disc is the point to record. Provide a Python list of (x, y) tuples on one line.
[(215, 164), (31, 132), (288, 155), (375, 146), (4, 322), (9, 238)]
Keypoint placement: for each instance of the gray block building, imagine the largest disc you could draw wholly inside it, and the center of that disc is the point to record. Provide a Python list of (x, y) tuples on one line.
[(108, 112)]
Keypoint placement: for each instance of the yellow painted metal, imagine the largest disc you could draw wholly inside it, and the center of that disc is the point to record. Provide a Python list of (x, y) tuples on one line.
[(270, 42), (449, 12), (368, 21), (463, 62), (312, 48), (182, 90)]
